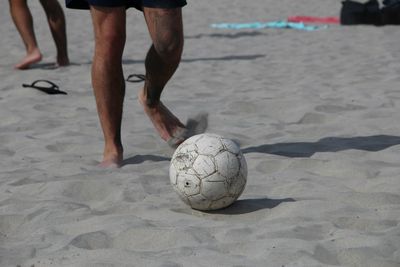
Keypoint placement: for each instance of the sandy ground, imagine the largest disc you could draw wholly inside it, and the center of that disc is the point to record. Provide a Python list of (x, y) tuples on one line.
[(316, 113)]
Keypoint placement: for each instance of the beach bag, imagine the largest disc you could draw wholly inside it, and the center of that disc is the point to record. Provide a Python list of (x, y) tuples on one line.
[(391, 3), (391, 12), (353, 13)]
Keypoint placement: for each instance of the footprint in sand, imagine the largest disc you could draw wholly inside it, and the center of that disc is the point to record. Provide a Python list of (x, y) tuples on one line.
[(312, 118), (338, 108), (94, 240)]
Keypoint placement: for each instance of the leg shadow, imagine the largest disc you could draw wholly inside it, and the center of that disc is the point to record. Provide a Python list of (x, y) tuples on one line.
[(138, 159), (328, 144)]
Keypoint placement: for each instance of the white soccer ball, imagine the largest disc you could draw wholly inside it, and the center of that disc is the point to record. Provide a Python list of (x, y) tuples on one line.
[(208, 171)]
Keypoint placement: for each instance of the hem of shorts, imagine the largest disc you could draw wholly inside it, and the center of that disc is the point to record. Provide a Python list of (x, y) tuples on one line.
[(87, 6)]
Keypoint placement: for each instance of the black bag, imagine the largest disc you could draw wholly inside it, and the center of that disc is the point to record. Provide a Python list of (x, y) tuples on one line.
[(391, 3), (391, 12), (353, 13)]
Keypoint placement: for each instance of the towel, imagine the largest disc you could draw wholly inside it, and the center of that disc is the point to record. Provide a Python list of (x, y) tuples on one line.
[(272, 24)]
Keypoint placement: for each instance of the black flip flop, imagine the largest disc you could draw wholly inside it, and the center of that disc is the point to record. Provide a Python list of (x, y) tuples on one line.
[(51, 89), (136, 78)]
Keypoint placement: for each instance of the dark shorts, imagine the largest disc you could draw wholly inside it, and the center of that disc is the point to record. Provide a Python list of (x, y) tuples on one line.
[(139, 4)]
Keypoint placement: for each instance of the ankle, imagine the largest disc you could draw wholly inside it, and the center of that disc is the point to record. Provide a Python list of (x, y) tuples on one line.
[(33, 51), (113, 150), (63, 62)]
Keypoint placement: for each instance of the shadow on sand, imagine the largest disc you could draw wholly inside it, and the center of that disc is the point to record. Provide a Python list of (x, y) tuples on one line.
[(226, 35), (138, 159), (51, 65), (190, 60), (243, 206), (328, 144)]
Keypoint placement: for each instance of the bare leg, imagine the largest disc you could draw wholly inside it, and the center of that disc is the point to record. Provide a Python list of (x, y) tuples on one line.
[(166, 31), (56, 20), (22, 18), (107, 78)]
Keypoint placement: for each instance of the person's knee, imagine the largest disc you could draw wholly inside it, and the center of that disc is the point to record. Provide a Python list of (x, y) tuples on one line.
[(18, 5), (110, 36), (170, 47), (110, 42)]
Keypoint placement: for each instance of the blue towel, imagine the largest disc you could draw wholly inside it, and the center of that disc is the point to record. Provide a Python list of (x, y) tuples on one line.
[(273, 24)]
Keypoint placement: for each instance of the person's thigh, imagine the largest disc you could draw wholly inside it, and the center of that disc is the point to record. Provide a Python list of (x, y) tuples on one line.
[(85, 4), (109, 25), (164, 24), (139, 4), (52, 7), (161, 3), (18, 3)]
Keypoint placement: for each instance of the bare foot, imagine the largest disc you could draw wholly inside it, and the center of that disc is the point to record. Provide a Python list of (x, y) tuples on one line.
[(110, 164), (29, 59), (112, 158), (167, 125)]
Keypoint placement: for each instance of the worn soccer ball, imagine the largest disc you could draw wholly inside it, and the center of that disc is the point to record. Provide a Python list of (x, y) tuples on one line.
[(208, 171)]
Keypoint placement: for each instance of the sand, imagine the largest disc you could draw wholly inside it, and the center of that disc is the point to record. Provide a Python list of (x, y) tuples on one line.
[(316, 114)]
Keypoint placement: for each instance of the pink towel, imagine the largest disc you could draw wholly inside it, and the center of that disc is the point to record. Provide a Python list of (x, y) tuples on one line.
[(308, 19)]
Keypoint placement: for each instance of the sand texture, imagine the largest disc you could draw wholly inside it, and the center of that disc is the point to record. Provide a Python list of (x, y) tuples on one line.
[(317, 116)]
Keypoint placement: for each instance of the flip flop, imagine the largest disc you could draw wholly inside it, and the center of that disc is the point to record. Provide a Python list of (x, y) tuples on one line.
[(51, 89), (136, 78)]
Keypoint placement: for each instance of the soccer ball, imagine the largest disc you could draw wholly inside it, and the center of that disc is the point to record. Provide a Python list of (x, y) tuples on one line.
[(208, 171)]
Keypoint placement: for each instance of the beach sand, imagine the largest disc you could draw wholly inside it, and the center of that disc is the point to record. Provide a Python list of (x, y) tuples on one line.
[(316, 114)]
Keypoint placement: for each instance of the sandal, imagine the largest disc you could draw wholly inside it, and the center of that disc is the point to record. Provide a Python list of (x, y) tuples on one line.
[(136, 78), (52, 89)]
